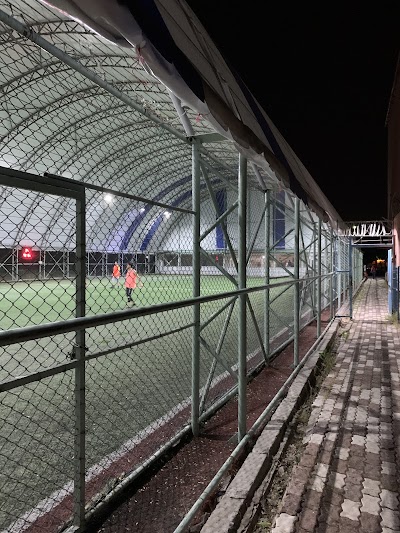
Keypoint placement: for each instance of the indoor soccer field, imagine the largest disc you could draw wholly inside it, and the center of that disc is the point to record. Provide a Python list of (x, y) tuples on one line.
[(37, 302), (144, 371)]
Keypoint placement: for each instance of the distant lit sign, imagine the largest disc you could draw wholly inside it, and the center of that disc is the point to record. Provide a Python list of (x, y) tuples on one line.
[(27, 253)]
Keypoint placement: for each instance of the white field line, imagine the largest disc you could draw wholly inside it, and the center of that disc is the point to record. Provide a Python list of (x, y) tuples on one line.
[(47, 504)]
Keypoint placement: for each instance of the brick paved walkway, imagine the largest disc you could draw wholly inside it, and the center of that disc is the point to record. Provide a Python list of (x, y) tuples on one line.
[(347, 479)]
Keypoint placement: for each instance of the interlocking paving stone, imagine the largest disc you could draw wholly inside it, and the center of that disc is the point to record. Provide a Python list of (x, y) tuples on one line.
[(336, 480), (339, 466), (317, 484), (291, 503), (370, 523), (389, 499), (353, 476), (370, 504), (348, 526), (330, 515), (284, 523), (353, 492), (312, 500), (322, 470), (355, 430), (358, 441), (371, 487), (308, 519), (389, 483), (373, 458), (350, 509), (390, 518)]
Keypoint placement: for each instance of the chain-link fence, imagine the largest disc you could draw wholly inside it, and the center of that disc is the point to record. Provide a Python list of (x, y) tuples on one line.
[(135, 287), (137, 369)]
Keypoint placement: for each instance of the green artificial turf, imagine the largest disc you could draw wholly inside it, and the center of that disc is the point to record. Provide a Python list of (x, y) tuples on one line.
[(127, 390)]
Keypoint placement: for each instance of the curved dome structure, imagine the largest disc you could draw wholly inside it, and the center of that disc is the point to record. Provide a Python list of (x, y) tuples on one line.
[(101, 109)]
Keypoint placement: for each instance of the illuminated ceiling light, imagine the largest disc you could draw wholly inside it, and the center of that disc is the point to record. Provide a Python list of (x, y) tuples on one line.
[(108, 198), (142, 210), (167, 214)]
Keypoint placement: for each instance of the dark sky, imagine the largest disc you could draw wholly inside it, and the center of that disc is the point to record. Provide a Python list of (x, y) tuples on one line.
[(323, 73)]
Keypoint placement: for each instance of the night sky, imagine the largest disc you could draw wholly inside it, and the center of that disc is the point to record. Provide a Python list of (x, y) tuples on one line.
[(324, 76)]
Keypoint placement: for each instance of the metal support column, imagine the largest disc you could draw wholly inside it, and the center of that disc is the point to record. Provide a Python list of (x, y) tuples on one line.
[(104, 264), (79, 456), (319, 282), (398, 293), (314, 270), (325, 267), (196, 288), (339, 272), (296, 275), (64, 266), (351, 277), (42, 264), (242, 344), (331, 278), (267, 241), (14, 264)]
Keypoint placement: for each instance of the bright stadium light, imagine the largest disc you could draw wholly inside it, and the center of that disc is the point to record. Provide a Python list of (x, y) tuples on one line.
[(108, 198), (167, 214), (142, 210)]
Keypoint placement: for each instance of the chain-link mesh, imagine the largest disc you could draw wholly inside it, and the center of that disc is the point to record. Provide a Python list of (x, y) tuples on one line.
[(36, 449), (138, 372), (133, 178)]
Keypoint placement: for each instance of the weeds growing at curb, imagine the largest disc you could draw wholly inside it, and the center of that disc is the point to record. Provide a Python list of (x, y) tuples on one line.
[(392, 319), (272, 500)]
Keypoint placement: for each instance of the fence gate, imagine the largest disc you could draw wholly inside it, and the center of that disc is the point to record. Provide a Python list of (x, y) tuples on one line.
[(41, 380)]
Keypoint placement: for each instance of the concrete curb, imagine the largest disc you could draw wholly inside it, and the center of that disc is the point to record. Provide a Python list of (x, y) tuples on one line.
[(227, 515)]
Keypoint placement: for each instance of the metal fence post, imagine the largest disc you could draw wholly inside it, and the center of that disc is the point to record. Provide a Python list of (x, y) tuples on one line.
[(79, 456), (325, 267), (267, 242), (351, 277), (242, 343), (296, 273), (319, 283), (314, 270), (339, 274), (398, 293), (331, 279), (196, 288), (14, 264)]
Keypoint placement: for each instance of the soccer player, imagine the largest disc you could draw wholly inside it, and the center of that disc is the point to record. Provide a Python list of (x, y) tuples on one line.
[(116, 273), (131, 280)]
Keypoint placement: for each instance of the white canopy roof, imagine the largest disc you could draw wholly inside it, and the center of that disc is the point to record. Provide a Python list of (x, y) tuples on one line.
[(107, 94)]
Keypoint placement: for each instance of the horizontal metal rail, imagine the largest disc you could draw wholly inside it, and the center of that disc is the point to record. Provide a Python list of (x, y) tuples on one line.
[(15, 336), (254, 430), (103, 506)]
